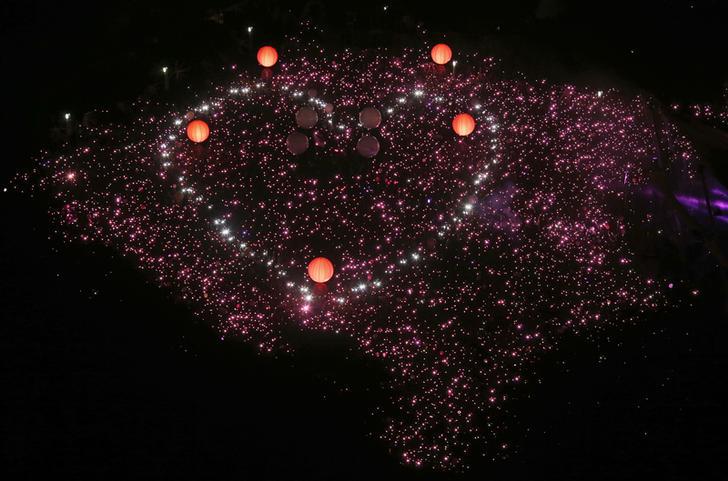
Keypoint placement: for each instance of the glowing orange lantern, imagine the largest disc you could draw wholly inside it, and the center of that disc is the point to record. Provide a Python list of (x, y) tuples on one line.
[(441, 54), (320, 269), (267, 56), (463, 124), (198, 131)]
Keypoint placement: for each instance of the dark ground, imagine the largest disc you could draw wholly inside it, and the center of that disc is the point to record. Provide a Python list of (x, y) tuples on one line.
[(103, 375)]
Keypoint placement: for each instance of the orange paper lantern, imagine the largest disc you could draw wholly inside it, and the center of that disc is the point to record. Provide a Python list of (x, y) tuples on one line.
[(463, 124), (267, 56), (441, 54), (320, 269), (198, 131)]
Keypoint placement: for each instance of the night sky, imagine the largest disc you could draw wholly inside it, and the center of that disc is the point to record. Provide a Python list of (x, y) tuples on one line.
[(104, 373)]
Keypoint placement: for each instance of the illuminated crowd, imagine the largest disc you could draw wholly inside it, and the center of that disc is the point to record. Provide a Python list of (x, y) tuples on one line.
[(458, 260)]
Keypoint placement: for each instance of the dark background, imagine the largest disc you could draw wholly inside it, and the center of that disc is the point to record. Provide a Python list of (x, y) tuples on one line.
[(104, 375)]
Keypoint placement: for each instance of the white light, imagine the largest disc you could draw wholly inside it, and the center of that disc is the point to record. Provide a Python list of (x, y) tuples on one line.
[(67, 116), (164, 69), (250, 29), (600, 93)]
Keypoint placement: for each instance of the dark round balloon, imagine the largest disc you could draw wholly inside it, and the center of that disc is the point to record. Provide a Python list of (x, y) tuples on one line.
[(368, 146), (306, 117), (370, 118), (297, 143)]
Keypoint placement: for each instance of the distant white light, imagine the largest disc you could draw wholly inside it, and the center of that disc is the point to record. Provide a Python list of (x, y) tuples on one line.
[(250, 29), (164, 69), (66, 116)]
